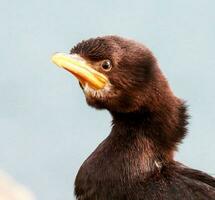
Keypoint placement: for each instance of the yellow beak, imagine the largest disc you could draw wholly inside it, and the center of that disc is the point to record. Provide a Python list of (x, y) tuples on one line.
[(78, 67)]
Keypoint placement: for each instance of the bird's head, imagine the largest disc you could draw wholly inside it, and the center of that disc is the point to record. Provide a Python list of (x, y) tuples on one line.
[(118, 74)]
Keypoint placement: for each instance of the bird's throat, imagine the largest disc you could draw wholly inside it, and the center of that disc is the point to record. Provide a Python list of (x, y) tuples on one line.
[(140, 144), (157, 132)]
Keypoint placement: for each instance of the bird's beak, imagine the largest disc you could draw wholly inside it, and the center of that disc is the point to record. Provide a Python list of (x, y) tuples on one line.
[(81, 70)]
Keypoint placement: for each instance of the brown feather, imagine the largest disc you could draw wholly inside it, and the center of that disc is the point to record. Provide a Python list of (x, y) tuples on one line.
[(135, 162)]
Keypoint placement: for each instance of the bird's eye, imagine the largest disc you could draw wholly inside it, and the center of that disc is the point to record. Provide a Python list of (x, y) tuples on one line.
[(106, 65)]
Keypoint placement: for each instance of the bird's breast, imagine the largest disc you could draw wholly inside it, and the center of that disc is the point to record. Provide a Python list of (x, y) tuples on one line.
[(111, 169)]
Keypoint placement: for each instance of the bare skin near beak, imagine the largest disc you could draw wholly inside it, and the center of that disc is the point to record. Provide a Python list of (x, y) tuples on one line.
[(78, 67)]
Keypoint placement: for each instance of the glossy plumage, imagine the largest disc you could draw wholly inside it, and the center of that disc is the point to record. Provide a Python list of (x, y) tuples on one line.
[(136, 161)]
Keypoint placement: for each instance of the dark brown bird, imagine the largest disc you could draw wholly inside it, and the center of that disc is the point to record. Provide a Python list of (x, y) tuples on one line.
[(136, 161)]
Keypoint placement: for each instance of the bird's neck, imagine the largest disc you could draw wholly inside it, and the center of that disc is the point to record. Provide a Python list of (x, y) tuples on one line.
[(153, 133)]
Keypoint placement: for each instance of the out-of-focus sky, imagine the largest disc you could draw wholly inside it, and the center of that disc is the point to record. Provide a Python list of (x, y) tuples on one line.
[(46, 128)]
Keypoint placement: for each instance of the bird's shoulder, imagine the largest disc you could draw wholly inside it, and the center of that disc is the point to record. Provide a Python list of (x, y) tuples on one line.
[(187, 183), (174, 181)]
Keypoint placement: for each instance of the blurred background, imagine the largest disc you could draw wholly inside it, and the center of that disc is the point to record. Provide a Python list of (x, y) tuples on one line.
[(46, 128)]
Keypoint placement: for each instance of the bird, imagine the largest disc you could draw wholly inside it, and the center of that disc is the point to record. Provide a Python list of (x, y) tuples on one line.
[(136, 160)]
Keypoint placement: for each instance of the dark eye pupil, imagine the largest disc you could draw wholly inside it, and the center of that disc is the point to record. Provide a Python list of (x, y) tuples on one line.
[(106, 64)]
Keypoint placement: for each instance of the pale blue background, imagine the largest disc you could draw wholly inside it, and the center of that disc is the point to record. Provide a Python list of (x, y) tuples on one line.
[(46, 128)]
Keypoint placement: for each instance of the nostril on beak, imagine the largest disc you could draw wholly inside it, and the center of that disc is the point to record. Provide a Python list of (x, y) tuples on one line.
[(81, 85)]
